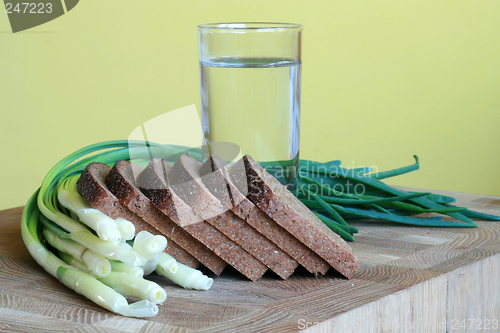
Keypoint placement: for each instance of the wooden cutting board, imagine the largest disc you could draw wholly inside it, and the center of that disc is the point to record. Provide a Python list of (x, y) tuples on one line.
[(410, 280)]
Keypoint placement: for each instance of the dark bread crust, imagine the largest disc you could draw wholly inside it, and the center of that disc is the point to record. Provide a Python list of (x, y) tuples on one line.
[(283, 207), (93, 189), (220, 182), (153, 183), (186, 174), (122, 184)]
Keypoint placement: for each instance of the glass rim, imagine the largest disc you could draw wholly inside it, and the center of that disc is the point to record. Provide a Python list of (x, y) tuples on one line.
[(249, 26)]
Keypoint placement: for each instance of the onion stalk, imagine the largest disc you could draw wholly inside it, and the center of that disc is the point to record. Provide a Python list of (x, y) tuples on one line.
[(105, 227), (184, 276), (149, 245), (77, 280), (118, 266), (80, 265), (130, 285), (97, 264), (120, 251), (103, 295), (44, 209), (167, 263)]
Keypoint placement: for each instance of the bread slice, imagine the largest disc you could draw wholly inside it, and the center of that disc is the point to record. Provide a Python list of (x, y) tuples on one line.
[(185, 180), (153, 183), (282, 206), (215, 175), (93, 189), (122, 184)]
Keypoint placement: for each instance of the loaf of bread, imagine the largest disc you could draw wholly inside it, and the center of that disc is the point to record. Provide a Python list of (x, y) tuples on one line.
[(217, 214)]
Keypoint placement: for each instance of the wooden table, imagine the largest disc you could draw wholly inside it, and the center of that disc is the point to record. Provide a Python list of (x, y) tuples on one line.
[(410, 280)]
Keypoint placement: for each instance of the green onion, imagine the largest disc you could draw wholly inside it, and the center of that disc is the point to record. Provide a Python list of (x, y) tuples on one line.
[(126, 228), (184, 276), (118, 266), (130, 285), (335, 227), (29, 232), (346, 228), (352, 194), (97, 264), (439, 198), (77, 280), (329, 209), (149, 245), (477, 215), (327, 188), (425, 203), (103, 295), (397, 172), (167, 263), (59, 217), (334, 162), (349, 212), (80, 265), (120, 251), (372, 200)]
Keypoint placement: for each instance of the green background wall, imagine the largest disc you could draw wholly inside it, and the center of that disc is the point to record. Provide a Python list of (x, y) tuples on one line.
[(382, 80)]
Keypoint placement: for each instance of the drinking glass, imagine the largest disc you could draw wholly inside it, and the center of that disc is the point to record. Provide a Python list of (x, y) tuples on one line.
[(250, 92)]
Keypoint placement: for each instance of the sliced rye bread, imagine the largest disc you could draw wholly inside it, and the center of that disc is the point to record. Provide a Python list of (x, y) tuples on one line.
[(184, 178), (282, 206), (122, 184), (93, 189), (153, 183), (215, 173)]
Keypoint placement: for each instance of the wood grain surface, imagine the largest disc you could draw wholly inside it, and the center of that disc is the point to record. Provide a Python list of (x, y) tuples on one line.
[(410, 280)]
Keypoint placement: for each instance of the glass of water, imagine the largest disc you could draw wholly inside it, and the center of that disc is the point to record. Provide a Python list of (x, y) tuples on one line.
[(250, 92)]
